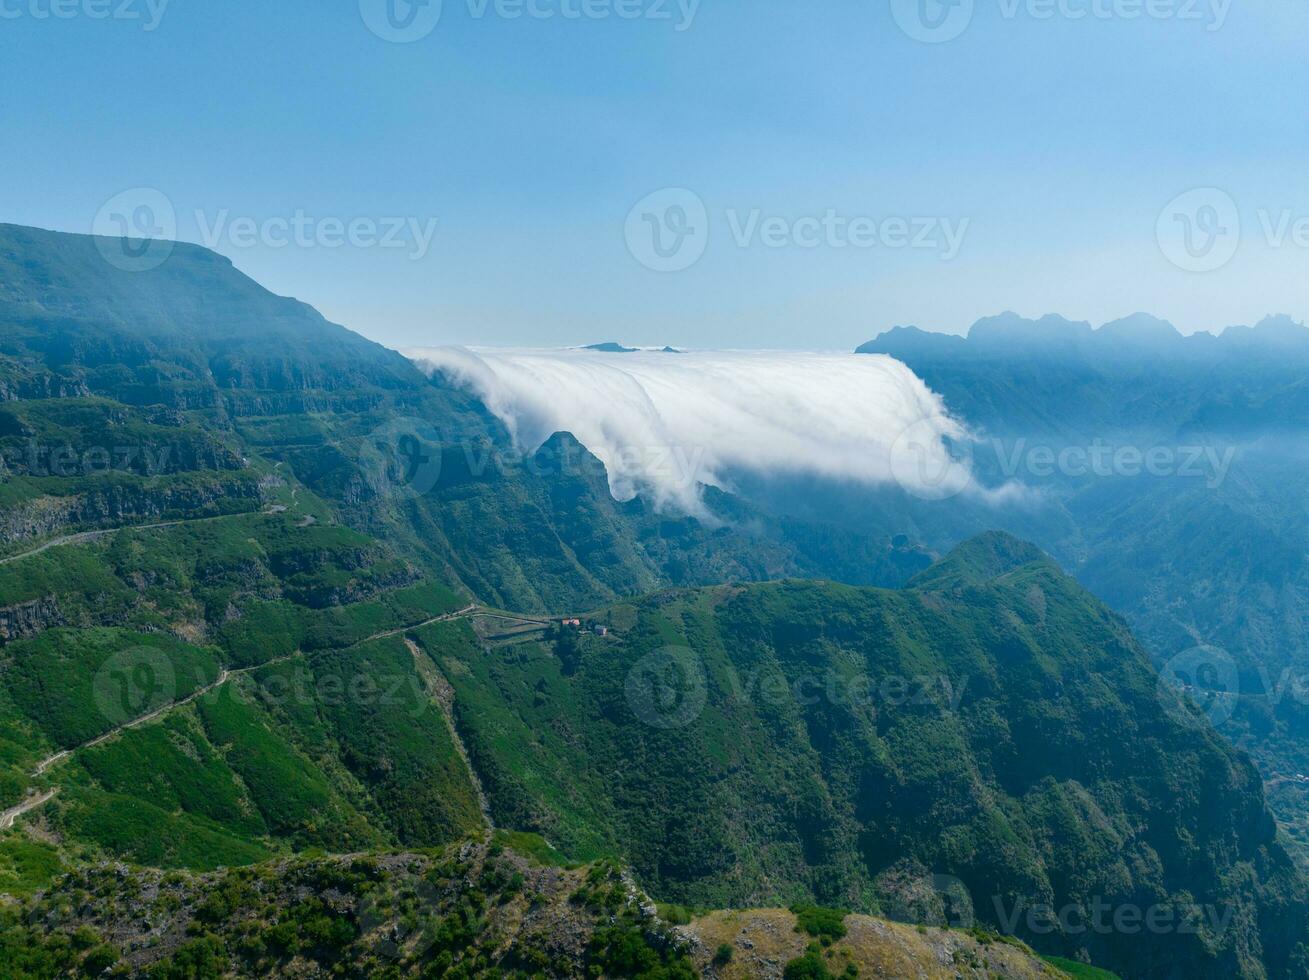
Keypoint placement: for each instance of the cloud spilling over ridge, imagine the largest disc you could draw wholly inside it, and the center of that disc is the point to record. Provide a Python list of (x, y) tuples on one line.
[(665, 423)]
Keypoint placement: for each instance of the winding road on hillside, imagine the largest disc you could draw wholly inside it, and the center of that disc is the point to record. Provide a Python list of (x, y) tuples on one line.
[(82, 537), (468, 610), (223, 676), (8, 817)]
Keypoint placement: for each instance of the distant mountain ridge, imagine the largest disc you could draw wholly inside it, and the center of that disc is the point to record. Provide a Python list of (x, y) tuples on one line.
[(1218, 563), (1142, 335)]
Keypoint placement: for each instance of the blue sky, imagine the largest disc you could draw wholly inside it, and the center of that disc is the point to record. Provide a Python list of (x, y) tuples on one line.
[(850, 176)]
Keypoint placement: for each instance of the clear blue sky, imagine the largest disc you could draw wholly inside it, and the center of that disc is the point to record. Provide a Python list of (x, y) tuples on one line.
[(529, 141)]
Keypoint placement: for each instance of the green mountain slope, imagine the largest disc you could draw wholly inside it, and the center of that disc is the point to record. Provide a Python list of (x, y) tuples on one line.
[(474, 910), (994, 726)]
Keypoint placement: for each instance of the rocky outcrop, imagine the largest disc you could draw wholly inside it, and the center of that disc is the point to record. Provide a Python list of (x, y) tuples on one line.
[(763, 941), (29, 618), (117, 504), (42, 385)]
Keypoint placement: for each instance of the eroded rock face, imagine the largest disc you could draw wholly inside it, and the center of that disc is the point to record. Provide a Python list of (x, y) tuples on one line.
[(41, 385), (29, 618), (114, 505)]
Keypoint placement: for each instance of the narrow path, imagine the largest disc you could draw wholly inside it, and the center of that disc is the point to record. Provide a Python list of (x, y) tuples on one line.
[(84, 536), (486, 613), (443, 694), (443, 618), (438, 687), (223, 677), (59, 543), (8, 817)]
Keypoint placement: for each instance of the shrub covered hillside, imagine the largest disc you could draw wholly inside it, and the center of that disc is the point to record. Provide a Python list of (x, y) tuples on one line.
[(475, 909), (990, 741)]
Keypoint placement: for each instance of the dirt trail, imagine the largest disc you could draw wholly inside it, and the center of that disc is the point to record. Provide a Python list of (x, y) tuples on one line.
[(8, 817), (443, 618), (83, 536), (223, 677), (438, 687)]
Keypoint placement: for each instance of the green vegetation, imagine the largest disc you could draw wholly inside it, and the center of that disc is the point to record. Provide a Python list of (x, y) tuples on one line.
[(531, 845), (862, 741), (821, 923), (395, 740), (76, 684), (445, 912), (172, 765), (26, 865), (1079, 971), (811, 966), (291, 794), (150, 835)]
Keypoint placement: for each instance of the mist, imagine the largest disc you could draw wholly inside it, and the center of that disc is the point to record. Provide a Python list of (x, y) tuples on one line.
[(667, 424)]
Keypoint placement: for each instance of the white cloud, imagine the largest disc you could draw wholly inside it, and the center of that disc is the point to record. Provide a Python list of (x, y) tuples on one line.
[(664, 424)]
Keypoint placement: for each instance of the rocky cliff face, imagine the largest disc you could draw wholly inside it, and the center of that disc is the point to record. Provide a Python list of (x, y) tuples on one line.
[(114, 505), (29, 618)]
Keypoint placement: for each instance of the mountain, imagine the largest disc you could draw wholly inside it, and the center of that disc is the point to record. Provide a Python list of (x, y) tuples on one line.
[(193, 370), (1206, 556), (992, 727), (269, 595)]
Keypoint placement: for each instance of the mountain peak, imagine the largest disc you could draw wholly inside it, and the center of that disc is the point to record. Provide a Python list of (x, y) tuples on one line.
[(1276, 333), (979, 560), (910, 340), (1140, 327), (1282, 326), (1010, 333)]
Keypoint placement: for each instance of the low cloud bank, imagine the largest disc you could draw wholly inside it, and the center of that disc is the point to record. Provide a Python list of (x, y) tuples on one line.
[(664, 424)]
